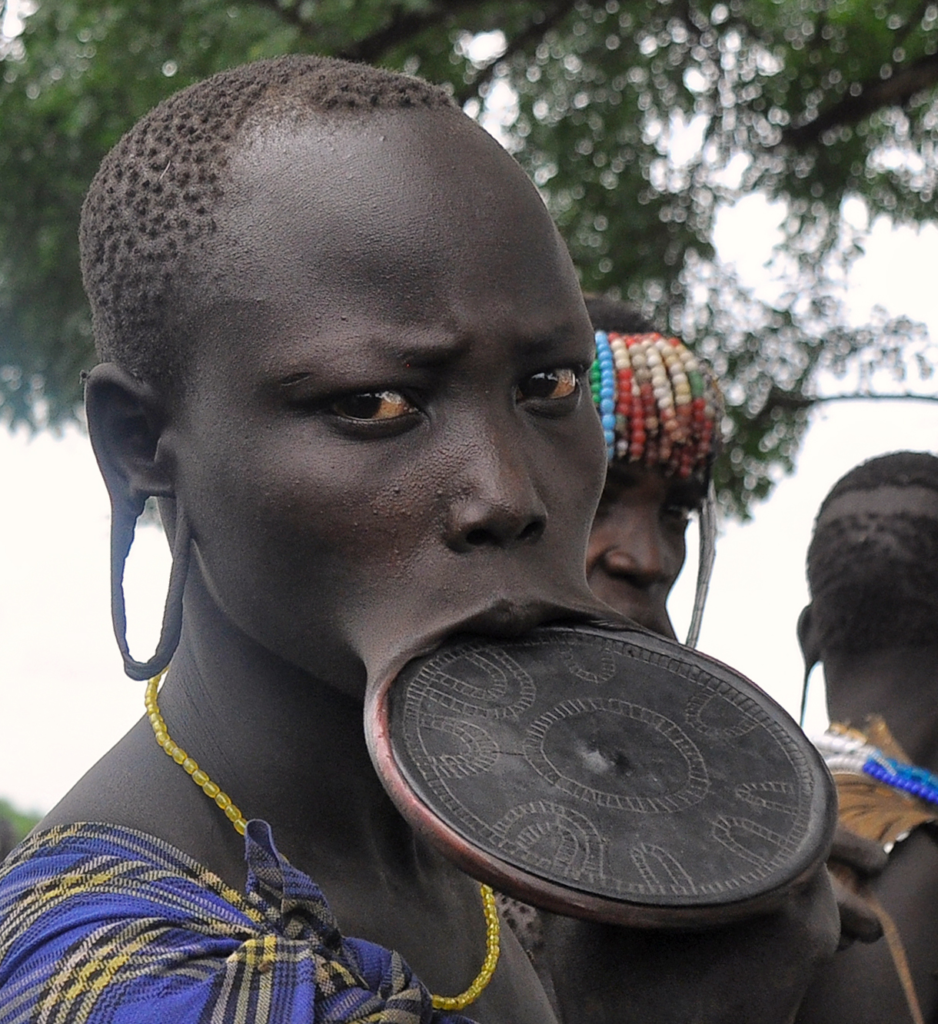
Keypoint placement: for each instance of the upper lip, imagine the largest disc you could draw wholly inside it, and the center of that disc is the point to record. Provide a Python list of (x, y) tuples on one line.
[(507, 618)]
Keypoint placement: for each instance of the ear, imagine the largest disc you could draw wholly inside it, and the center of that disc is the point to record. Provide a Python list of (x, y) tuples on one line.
[(126, 420), (807, 638)]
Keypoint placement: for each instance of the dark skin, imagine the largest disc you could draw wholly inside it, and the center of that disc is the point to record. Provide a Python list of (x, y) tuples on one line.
[(385, 390), (861, 984), (637, 548)]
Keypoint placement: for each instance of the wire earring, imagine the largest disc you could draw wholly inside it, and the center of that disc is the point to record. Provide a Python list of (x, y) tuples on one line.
[(708, 542), (123, 527)]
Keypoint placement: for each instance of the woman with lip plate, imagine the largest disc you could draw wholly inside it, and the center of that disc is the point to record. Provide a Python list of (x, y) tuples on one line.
[(343, 345)]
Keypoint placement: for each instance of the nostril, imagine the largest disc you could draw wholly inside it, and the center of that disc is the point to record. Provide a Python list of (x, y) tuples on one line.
[(532, 531), (481, 536)]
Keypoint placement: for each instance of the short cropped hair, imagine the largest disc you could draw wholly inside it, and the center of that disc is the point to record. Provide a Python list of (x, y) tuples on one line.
[(153, 201), (873, 575)]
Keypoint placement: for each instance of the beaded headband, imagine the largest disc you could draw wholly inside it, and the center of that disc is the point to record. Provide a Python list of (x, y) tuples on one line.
[(659, 407), (657, 404)]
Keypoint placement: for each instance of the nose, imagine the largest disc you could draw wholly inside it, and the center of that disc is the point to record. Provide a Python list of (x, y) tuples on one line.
[(636, 554), (643, 568), (495, 503)]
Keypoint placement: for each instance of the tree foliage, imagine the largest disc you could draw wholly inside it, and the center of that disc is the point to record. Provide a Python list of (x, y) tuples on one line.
[(20, 821), (636, 119)]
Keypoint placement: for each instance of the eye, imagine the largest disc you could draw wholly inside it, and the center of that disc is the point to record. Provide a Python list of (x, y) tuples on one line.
[(678, 515), (550, 384), (605, 506), (684, 498), (373, 405)]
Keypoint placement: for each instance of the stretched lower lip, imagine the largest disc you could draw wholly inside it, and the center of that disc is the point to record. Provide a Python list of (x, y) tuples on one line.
[(504, 618)]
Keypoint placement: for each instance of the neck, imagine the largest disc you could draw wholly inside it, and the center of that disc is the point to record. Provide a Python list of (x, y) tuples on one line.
[(272, 735), (900, 684), (289, 747)]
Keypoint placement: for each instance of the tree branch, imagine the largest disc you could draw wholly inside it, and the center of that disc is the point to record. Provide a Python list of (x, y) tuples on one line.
[(403, 25), (794, 402), (874, 94), (915, 19), (863, 396), (400, 26), (533, 30)]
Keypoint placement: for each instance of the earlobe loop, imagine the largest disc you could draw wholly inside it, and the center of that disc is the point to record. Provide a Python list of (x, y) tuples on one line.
[(812, 655), (123, 526), (708, 547)]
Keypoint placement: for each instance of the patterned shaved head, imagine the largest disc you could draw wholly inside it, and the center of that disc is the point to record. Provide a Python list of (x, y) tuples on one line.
[(873, 560), (152, 203)]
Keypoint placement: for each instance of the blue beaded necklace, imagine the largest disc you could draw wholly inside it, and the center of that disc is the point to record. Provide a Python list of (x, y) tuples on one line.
[(847, 753), (908, 777)]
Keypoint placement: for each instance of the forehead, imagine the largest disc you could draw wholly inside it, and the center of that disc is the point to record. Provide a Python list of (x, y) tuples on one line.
[(404, 216), (649, 483)]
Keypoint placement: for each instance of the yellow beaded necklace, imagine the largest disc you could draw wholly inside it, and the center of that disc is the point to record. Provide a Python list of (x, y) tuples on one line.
[(214, 792)]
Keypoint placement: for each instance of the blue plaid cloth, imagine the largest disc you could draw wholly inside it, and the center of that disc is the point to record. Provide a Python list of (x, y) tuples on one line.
[(106, 925)]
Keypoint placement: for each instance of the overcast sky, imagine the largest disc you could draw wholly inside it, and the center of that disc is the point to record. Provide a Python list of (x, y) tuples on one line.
[(63, 696)]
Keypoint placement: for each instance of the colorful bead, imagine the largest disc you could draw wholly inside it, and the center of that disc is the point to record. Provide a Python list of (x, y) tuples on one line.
[(656, 405), (847, 752), (492, 952), (907, 777), (606, 402), (233, 814)]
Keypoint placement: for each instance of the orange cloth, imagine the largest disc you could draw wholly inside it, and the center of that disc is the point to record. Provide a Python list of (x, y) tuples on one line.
[(872, 809), (885, 815)]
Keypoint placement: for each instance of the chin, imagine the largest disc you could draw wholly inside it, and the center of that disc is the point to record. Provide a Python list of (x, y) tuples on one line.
[(639, 611)]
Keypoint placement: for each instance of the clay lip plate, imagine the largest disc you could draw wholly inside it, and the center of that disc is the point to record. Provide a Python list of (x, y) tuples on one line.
[(604, 773)]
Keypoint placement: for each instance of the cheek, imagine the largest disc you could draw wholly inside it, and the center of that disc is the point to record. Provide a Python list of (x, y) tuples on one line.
[(262, 516), (340, 514), (598, 543), (577, 476), (674, 552)]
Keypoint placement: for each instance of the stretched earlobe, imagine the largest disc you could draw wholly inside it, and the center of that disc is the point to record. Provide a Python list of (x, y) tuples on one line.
[(708, 548), (810, 648), (126, 421), (811, 653), (123, 523)]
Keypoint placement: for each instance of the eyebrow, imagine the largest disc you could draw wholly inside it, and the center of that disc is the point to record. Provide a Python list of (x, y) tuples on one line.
[(389, 351), (443, 350), (414, 348), (428, 356)]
